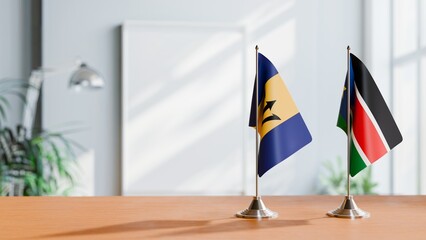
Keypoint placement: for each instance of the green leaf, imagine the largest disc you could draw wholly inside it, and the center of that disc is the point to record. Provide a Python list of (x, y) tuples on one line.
[(3, 113), (30, 181), (4, 101)]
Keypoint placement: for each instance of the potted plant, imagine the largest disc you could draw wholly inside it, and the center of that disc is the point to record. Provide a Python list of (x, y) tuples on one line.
[(333, 181), (32, 166)]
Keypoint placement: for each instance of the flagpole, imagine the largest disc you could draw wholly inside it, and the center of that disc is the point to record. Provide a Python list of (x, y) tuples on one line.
[(348, 121), (348, 208), (257, 122), (257, 208)]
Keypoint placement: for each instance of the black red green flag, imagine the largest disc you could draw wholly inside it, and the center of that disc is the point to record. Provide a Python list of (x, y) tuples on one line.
[(373, 130)]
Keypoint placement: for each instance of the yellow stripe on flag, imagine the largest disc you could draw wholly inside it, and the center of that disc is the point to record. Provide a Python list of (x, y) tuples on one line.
[(277, 105)]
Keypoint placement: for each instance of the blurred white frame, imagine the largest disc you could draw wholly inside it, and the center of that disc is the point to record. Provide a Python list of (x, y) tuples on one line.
[(183, 109)]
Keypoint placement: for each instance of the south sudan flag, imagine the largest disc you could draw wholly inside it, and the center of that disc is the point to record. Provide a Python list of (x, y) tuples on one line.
[(373, 130), (281, 127)]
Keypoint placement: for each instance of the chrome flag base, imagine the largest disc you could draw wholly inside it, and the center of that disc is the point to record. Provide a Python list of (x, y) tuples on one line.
[(257, 209), (348, 209)]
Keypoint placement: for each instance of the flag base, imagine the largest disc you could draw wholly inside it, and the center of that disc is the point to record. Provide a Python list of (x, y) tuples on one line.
[(348, 209), (257, 209)]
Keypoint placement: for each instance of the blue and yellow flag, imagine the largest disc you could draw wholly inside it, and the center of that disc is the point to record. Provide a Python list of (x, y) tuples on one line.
[(281, 127)]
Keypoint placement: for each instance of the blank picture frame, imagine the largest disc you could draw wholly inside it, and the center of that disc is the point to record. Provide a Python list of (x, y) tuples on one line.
[(183, 110)]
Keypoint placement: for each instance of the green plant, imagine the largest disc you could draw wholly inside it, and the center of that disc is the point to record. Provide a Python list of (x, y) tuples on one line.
[(33, 166), (335, 177)]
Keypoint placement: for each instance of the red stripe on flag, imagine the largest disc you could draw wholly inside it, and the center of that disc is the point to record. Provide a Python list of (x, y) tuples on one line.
[(366, 134)]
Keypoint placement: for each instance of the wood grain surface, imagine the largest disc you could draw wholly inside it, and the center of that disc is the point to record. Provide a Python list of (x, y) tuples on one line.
[(300, 217)]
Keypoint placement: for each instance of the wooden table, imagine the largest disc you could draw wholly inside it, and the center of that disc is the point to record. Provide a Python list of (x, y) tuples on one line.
[(392, 217)]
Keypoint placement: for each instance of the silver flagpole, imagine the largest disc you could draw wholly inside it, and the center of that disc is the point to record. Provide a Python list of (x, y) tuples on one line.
[(348, 209), (257, 121), (349, 123), (257, 208)]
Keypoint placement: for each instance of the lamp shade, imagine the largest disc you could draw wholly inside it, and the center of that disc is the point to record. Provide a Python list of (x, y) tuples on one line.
[(86, 77)]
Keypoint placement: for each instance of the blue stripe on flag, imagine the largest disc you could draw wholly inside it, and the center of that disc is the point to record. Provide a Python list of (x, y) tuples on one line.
[(266, 71), (281, 142), (344, 103)]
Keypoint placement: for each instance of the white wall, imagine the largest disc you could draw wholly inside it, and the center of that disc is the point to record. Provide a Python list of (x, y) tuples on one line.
[(15, 47), (306, 40), (400, 77)]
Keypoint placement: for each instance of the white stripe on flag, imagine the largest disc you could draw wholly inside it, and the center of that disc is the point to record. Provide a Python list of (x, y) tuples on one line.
[(358, 148)]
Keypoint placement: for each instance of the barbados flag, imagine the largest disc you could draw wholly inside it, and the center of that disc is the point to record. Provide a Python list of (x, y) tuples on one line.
[(281, 127), (373, 129)]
